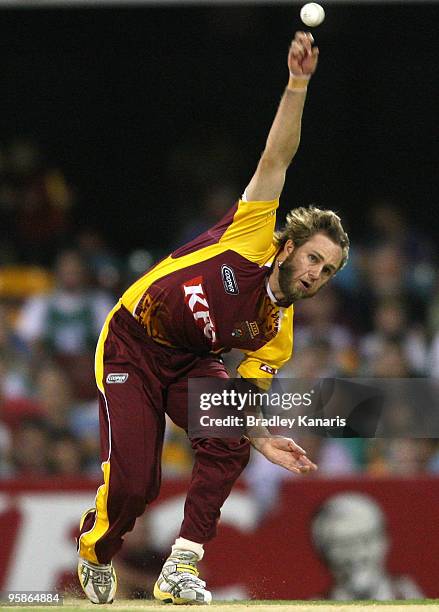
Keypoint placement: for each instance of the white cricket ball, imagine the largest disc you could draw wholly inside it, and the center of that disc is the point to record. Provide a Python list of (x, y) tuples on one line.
[(312, 14)]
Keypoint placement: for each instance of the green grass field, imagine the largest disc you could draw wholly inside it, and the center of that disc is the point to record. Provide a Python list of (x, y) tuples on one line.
[(79, 605)]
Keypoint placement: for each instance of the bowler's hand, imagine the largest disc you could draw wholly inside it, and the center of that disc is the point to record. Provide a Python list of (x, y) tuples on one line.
[(284, 452), (302, 56)]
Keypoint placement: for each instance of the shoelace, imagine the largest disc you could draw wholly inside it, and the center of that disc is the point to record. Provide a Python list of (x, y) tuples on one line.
[(100, 577), (184, 580)]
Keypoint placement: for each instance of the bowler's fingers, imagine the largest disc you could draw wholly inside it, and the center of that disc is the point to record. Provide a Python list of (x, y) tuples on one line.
[(307, 464), (298, 467), (306, 39), (291, 466), (302, 462), (297, 51), (295, 448), (302, 43)]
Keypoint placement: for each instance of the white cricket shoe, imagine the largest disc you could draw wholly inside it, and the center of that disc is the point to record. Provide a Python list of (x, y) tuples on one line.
[(98, 582), (178, 582)]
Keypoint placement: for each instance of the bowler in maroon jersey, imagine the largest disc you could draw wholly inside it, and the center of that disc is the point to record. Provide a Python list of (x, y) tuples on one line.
[(232, 287)]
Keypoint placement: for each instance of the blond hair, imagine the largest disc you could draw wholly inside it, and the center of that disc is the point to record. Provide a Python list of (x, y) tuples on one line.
[(303, 223)]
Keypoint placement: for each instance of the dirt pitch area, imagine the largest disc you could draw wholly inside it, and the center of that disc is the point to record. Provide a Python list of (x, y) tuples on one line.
[(79, 605)]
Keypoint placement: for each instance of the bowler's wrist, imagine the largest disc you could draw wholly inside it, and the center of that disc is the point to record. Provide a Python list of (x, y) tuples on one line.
[(258, 437), (298, 82)]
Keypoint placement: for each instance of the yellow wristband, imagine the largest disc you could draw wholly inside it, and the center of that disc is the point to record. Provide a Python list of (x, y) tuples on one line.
[(298, 83)]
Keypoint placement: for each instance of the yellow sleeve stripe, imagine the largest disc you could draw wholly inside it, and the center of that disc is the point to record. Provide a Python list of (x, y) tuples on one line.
[(250, 234)]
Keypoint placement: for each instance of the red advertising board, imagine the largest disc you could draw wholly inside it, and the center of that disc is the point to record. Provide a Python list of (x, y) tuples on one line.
[(272, 558)]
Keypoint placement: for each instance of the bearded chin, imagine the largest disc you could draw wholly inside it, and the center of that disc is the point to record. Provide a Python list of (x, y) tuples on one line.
[(286, 273)]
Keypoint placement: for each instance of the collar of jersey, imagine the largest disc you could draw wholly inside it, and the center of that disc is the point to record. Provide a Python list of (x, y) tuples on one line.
[(270, 293)]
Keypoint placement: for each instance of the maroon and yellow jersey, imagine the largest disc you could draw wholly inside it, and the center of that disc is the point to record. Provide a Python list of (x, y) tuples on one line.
[(211, 294)]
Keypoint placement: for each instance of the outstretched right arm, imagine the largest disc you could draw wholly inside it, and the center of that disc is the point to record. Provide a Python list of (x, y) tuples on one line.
[(284, 136)]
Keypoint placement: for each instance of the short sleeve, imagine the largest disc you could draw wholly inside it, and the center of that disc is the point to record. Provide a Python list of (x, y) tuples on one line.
[(251, 231), (262, 365)]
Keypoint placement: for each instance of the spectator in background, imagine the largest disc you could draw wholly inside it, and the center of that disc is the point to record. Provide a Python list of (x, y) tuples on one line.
[(391, 326), (38, 202), (64, 455), (84, 425), (216, 204), (389, 362), (322, 336), (313, 360), (73, 425), (53, 422), (103, 265), (383, 273), (387, 275), (68, 320), (16, 407), (389, 226), (387, 271), (349, 532), (65, 324), (407, 457), (54, 396), (14, 359), (324, 347), (30, 452)]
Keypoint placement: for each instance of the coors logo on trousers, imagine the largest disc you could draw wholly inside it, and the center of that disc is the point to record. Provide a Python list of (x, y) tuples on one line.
[(117, 378)]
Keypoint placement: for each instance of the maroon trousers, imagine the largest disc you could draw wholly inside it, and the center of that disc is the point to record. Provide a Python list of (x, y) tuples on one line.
[(141, 382)]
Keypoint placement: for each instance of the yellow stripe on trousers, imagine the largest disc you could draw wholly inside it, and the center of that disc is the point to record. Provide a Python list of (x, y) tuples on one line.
[(87, 540)]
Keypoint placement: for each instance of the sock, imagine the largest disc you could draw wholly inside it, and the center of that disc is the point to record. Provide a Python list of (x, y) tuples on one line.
[(183, 544)]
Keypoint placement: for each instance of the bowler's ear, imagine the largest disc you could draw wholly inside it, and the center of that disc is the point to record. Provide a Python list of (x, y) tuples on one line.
[(288, 247)]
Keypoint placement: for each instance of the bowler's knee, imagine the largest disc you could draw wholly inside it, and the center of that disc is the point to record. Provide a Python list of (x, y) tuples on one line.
[(230, 450), (132, 499)]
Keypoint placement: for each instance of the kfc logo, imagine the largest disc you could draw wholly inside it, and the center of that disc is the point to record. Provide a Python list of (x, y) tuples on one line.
[(195, 298)]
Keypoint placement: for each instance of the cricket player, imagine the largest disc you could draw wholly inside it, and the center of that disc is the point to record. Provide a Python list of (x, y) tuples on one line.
[(232, 287)]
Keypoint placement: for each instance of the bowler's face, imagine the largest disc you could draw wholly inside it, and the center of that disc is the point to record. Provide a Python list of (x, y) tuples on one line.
[(308, 268)]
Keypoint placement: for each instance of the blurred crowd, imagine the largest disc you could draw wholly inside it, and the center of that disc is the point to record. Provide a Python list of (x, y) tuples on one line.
[(58, 280)]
